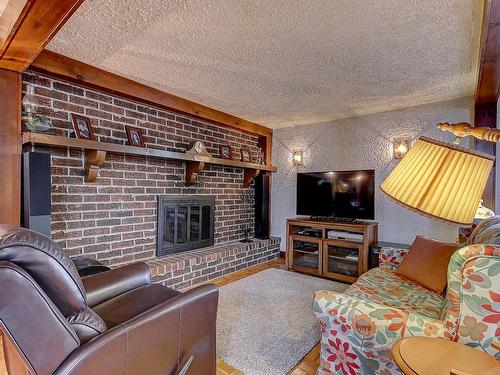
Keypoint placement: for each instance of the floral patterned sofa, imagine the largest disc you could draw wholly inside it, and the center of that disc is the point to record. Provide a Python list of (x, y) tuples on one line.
[(359, 326)]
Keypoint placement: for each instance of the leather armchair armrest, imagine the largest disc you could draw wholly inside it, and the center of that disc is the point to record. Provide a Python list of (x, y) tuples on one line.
[(175, 334), (106, 285)]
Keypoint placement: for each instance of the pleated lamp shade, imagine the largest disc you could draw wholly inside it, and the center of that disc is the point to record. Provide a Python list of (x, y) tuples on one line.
[(440, 180)]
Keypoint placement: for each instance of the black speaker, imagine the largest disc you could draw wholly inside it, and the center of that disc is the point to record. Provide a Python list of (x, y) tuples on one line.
[(262, 205), (36, 196)]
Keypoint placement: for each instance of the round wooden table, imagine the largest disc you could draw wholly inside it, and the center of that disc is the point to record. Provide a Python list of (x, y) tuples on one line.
[(432, 356)]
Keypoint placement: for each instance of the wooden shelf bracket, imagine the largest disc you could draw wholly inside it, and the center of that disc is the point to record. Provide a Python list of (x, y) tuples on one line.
[(193, 168), (249, 175), (93, 161)]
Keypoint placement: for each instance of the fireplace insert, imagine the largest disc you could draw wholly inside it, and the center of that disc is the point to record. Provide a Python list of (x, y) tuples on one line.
[(185, 223)]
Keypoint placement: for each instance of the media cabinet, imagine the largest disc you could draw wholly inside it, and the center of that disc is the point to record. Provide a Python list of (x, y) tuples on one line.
[(311, 248)]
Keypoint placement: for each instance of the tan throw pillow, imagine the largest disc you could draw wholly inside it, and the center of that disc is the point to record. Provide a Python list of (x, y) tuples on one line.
[(427, 263)]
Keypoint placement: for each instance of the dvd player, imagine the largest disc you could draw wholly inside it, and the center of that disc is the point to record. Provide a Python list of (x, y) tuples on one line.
[(310, 232), (344, 235)]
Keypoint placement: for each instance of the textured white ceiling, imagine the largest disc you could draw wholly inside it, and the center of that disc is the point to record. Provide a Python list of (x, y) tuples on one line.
[(3, 4), (283, 63)]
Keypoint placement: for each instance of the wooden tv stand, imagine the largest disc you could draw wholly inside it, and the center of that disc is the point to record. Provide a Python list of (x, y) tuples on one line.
[(309, 248)]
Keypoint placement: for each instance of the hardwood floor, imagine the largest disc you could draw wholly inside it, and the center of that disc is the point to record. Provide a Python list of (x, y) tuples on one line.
[(225, 369), (307, 366), (3, 370)]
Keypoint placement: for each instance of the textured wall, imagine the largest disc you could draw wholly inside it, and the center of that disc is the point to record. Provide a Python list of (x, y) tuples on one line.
[(114, 218), (363, 143)]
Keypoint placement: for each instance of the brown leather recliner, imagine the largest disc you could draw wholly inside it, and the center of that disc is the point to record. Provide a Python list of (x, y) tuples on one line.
[(115, 322)]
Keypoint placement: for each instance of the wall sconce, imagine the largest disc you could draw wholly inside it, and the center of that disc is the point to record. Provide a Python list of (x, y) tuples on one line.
[(297, 158), (400, 147)]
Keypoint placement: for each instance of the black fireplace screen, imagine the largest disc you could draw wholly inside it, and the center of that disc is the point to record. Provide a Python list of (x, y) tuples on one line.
[(185, 223)]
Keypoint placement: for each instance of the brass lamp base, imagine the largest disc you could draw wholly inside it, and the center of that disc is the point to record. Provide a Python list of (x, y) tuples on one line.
[(464, 129)]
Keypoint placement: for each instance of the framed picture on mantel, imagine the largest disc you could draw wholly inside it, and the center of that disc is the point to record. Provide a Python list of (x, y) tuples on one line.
[(134, 136), (245, 154), (225, 152), (83, 127)]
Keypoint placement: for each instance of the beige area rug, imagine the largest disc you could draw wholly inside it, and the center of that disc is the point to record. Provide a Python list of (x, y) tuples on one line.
[(265, 323)]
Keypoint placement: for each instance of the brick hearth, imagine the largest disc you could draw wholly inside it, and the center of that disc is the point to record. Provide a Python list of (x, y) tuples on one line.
[(188, 269)]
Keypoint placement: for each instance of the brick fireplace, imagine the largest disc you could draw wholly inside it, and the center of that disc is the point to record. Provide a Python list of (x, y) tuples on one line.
[(114, 219)]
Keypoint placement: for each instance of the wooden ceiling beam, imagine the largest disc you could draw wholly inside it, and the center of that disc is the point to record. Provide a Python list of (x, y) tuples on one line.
[(87, 75), (36, 24)]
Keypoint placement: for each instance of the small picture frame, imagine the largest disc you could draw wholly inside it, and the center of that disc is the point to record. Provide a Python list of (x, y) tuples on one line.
[(245, 154), (225, 152), (83, 127), (260, 156), (134, 136)]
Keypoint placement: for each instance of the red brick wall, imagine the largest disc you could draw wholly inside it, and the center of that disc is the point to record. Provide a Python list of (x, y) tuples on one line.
[(114, 218)]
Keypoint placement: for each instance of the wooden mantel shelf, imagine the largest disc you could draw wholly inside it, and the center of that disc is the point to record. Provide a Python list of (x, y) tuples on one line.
[(95, 153)]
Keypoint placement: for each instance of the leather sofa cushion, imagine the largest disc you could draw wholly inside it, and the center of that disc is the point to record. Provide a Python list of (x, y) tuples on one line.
[(130, 304), (427, 263), (32, 323), (46, 262)]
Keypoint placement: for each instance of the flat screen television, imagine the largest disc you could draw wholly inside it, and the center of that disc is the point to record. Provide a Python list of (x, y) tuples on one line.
[(336, 194)]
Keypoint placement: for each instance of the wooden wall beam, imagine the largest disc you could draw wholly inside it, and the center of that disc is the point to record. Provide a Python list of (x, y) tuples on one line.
[(485, 115), (488, 88), (266, 144), (10, 147), (89, 76), (37, 23)]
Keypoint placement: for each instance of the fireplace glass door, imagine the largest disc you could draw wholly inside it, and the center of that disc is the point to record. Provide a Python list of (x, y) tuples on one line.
[(185, 223)]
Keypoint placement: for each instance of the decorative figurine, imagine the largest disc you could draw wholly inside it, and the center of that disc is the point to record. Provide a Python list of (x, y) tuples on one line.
[(35, 123)]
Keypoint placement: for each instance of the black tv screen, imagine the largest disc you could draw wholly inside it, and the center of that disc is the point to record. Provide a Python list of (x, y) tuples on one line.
[(338, 194)]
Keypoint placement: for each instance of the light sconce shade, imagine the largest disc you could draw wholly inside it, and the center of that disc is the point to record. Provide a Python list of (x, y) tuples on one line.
[(28, 100), (400, 147), (440, 180), (297, 158)]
